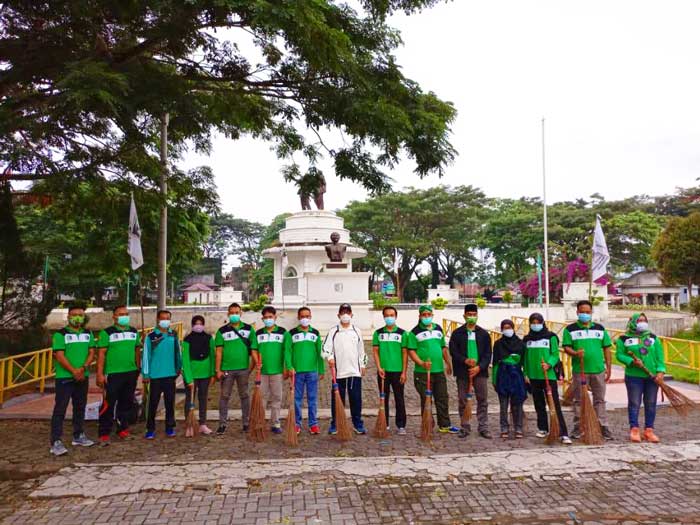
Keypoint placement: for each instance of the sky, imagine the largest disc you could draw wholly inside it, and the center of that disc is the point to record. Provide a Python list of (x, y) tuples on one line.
[(617, 83)]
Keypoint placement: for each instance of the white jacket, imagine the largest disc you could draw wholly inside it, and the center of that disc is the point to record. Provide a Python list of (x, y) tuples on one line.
[(346, 348)]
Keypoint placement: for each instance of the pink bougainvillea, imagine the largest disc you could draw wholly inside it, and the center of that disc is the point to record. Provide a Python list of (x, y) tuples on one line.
[(573, 271)]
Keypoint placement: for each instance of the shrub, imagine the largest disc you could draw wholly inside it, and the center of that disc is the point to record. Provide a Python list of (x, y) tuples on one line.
[(379, 301), (507, 297), (480, 302), (439, 303), (694, 305), (257, 305)]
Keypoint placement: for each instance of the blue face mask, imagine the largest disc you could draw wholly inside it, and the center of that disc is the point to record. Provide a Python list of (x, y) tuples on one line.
[(164, 324), (234, 318), (390, 321), (269, 322), (508, 332), (585, 318), (123, 320), (536, 327), (426, 320)]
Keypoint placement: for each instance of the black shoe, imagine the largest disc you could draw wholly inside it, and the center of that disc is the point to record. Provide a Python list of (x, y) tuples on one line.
[(485, 434), (576, 434), (221, 430), (245, 428), (607, 435), (463, 433)]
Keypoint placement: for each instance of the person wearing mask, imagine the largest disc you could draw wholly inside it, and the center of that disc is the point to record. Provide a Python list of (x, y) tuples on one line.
[(589, 340), (73, 351), (648, 353), (161, 364), (542, 346), (269, 354), (508, 378), (118, 364), (234, 343), (470, 347), (304, 361), (344, 349), (198, 355), (428, 350), (389, 346)]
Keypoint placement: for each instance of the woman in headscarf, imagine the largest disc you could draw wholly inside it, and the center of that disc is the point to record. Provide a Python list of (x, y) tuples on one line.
[(508, 378), (541, 356), (637, 349)]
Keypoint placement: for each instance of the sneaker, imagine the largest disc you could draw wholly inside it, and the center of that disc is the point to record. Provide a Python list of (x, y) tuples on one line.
[(58, 448), (104, 441), (332, 430), (360, 430), (464, 433), (245, 428), (576, 434), (566, 440), (449, 430), (541, 434), (297, 429), (124, 434), (170, 432), (203, 429), (635, 437), (312, 430), (650, 436), (82, 441), (401, 431), (607, 435), (221, 430), (150, 435), (276, 429)]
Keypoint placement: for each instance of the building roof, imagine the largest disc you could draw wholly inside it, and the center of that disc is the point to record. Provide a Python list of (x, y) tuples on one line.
[(198, 287)]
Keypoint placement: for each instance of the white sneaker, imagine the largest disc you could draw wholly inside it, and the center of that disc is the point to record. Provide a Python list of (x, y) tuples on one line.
[(566, 440), (541, 434), (203, 429), (82, 441), (401, 431), (58, 448)]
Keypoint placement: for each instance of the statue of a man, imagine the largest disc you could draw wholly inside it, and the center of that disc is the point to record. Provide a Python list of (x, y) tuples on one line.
[(335, 250), (311, 185)]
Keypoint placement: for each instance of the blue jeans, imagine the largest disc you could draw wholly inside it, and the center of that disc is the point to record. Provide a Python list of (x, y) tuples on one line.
[(353, 386), (310, 381), (639, 388)]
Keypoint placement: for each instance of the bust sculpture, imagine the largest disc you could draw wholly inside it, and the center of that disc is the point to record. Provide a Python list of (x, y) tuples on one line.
[(335, 250)]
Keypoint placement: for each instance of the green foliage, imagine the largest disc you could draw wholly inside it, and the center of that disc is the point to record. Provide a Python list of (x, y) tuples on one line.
[(641, 307), (379, 301), (694, 305), (676, 251), (231, 236), (480, 302), (507, 297), (415, 292), (257, 304), (439, 303), (261, 276)]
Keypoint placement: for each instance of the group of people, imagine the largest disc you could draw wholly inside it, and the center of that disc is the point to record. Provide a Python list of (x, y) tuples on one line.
[(274, 354)]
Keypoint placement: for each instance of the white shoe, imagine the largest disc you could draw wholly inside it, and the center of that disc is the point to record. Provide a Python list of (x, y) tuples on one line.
[(401, 431), (566, 440), (541, 434), (203, 429)]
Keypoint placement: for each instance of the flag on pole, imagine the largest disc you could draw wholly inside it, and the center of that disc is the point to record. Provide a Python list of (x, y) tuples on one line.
[(601, 257), (134, 246)]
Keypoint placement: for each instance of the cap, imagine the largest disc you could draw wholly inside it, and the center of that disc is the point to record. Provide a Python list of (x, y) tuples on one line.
[(345, 307), (425, 308)]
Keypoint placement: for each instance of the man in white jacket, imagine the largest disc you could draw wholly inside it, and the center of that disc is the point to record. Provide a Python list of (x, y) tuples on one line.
[(345, 350)]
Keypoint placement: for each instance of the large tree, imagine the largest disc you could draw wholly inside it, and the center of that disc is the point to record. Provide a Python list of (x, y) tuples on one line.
[(232, 236), (84, 85), (676, 251)]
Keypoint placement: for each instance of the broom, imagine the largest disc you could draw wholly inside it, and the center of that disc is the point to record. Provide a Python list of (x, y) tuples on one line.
[(568, 398), (290, 429), (468, 407), (426, 429), (258, 429), (380, 430), (341, 419), (191, 427), (590, 426), (554, 430), (680, 403)]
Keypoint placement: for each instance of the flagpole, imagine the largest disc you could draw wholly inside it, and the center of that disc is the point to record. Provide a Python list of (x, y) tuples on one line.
[(546, 236)]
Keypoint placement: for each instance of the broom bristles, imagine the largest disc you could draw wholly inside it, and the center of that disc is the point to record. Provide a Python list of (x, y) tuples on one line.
[(258, 427), (568, 398), (680, 402), (469, 405), (426, 428), (380, 427), (290, 430), (191, 426), (342, 427), (590, 426), (554, 429)]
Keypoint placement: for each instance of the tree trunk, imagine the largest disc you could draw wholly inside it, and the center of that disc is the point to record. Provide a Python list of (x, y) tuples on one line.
[(434, 271)]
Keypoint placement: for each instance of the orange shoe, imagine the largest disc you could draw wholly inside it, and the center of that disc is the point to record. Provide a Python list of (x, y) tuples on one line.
[(634, 435), (650, 436)]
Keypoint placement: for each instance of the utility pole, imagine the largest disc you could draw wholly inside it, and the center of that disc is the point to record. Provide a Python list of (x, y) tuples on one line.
[(163, 233), (546, 236)]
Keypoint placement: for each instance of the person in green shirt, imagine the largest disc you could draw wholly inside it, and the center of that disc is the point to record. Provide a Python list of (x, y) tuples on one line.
[(73, 351), (269, 356), (590, 341), (302, 357), (542, 354), (646, 352), (234, 343), (198, 356), (428, 350), (118, 364), (389, 346)]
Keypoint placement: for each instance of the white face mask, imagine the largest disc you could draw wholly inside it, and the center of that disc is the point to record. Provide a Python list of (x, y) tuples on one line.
[(304, 321), (642, 326), (345, 318), (508, 332)]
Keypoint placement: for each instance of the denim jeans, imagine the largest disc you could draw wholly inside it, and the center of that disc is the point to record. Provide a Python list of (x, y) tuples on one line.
[(639, 388), (353, 386), (308, 381)]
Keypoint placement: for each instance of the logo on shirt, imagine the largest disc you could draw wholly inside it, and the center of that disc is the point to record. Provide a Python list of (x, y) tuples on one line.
[(231, 336), (122, 336), (577, 335), (76, 338), (429, 334), (472, 336), (308, 336), (391, 338), (542, 343), (270, 338)]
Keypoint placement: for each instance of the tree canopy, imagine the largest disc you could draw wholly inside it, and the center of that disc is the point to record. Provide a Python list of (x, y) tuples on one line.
[(676, 251)]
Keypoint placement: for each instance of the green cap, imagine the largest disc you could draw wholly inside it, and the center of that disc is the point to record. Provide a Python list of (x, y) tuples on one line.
[(425, 308)]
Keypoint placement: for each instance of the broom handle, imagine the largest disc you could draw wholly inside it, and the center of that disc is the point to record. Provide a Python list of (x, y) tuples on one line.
[(646, 370), (547, 387), (582, 373), (428, 385)]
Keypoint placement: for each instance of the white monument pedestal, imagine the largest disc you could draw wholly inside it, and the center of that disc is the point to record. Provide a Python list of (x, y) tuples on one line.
[(445, 292), (575, 292), (304, 276)]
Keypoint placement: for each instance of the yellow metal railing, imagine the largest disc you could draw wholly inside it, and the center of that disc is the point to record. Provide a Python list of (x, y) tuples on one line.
[(37, 366)]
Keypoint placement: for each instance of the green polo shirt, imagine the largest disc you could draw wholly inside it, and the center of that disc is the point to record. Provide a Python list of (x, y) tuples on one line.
[(270, 345), (235, 351), (75, 345), (428, 342), (646, 348), (121, 344), (391, 342), (592, 340), (302, 352), (472, 350), (546, 350)]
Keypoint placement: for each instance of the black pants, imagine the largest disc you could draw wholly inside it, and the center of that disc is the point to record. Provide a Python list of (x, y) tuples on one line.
[(353, 386), (166, 387), (438, 385), (392, 381), (539, 396), (69, 390), (201, 386), (120, 401)]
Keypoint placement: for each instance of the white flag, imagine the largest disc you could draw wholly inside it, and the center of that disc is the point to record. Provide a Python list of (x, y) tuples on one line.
[(601, 257), (134, 246)]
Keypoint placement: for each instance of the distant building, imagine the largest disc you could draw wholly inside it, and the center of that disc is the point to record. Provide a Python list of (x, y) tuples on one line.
[(647, 288), (200, 293)]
